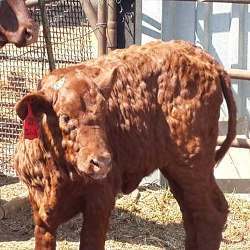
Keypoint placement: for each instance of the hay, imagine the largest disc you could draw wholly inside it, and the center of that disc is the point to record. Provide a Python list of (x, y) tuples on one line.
[(148, 219)]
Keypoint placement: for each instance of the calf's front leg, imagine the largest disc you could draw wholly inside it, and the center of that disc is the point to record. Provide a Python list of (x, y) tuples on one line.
[(95, 223), (45, 239), (94, 230)]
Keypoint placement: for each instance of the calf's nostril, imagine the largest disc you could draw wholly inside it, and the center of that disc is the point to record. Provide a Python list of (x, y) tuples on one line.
[(95, 162), (101, 161)]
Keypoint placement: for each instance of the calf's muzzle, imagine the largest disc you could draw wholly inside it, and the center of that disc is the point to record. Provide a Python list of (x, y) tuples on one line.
[(95, 166)]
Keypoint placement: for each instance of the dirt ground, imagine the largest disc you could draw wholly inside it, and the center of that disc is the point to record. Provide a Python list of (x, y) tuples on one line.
[(148, 219)]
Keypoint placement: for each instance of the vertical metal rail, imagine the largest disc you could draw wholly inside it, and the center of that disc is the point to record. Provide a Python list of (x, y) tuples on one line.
[(47, 35), (112, 26), (138, 21), (90, 12), (102, 26)]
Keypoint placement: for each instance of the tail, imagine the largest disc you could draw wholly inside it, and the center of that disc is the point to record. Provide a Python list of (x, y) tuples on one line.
[(231, 106)]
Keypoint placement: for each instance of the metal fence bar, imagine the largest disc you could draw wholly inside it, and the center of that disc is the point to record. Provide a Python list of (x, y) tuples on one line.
[(47, 35), (239, 74), (215, 1), (112, 26), (91, 14), (225, 1), (102, 25), (237, 142), (31, 3)]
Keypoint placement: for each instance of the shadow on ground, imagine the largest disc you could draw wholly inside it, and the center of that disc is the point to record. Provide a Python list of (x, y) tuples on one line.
[(7, 180), (124, 227)]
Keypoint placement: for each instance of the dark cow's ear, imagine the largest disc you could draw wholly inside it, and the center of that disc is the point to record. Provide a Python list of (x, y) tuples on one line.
[(38, 102), (105, 82)]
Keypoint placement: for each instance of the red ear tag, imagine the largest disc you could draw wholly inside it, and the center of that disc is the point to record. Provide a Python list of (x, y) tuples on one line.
[(30, 125)]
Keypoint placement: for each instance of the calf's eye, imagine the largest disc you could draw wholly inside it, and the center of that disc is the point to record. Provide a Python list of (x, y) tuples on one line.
[(64, 118), (63, 122)]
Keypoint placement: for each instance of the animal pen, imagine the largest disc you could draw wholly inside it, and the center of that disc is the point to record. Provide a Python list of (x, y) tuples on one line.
[(69, 41), (148, 219), (66, 37)]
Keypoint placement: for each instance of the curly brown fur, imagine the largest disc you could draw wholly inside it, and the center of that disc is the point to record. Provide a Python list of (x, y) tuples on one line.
[(109, 122)]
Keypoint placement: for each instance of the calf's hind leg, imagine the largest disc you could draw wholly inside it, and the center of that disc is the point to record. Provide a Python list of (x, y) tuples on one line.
[(177, 191), (203, 205)]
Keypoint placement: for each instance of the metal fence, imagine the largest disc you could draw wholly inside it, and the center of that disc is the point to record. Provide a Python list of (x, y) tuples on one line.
[(21, 69)]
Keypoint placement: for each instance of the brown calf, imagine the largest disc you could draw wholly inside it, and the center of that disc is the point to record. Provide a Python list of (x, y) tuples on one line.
[(98, 128), (16, 26)]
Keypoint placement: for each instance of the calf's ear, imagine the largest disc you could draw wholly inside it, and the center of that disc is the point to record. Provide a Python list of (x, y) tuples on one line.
[(105, 82), (38, 102)]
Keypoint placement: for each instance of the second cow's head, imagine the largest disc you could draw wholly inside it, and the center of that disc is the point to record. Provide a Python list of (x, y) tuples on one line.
[(72, 108)]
